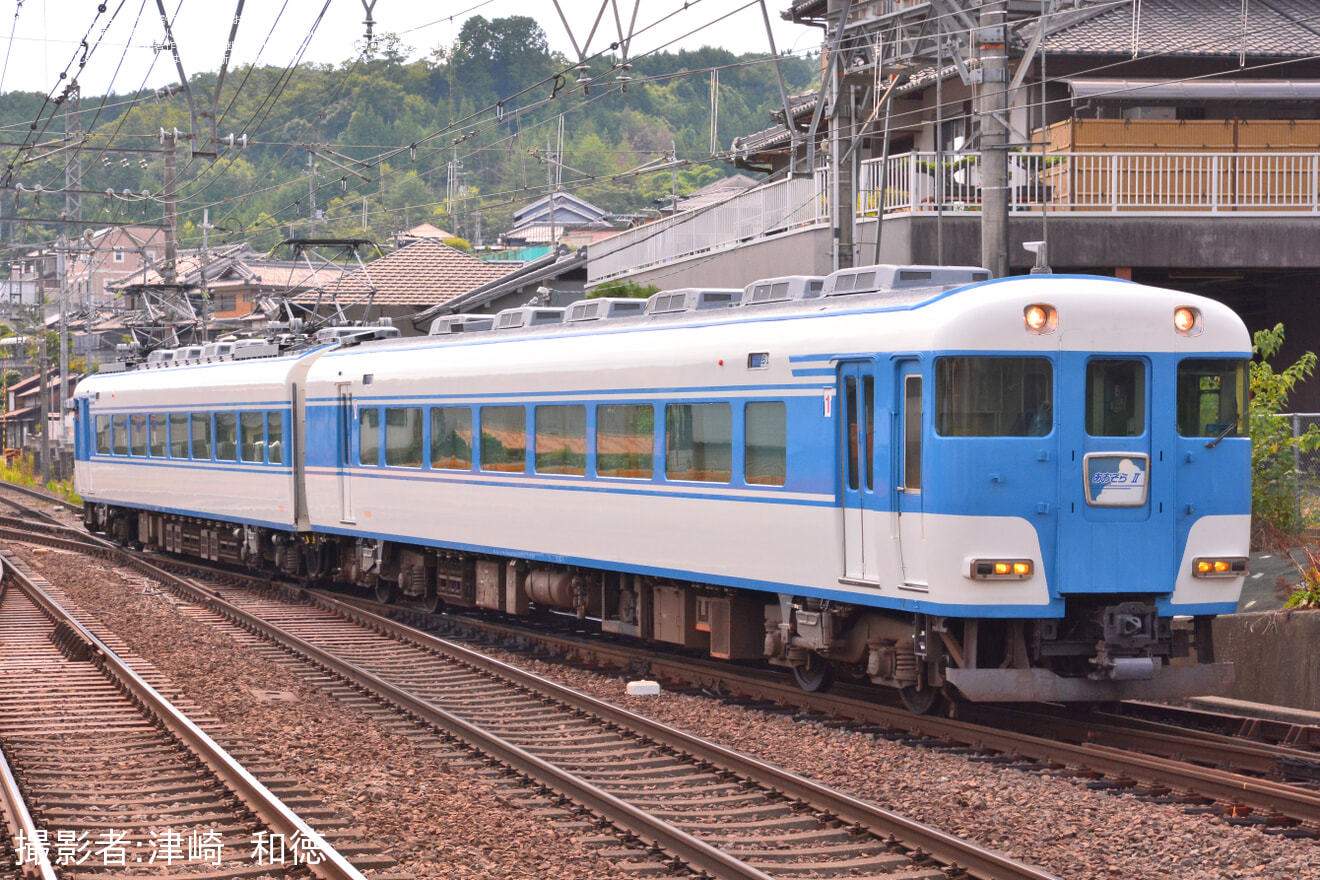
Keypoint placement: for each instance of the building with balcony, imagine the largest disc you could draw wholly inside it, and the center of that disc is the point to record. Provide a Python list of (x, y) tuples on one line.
[(1173, 143)]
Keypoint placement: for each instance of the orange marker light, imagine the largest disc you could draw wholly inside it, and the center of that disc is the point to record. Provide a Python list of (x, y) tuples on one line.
[(1184, 320), (1204, 565), (1022, 568), (1003, 568), (1221, 565)]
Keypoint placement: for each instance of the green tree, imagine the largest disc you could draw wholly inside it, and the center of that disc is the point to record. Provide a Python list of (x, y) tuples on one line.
[(629, 289), (1277, 516)]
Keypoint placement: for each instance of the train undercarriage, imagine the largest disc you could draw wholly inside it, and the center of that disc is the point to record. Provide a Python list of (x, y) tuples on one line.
[(1112, 647)]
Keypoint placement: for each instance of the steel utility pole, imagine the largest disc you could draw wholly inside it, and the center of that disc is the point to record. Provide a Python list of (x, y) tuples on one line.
[(170, 140), (44, 387), (991, 93), (73, 208)]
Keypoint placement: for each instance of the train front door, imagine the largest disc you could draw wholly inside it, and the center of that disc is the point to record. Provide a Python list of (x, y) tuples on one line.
[(856, 393), (907, 480), (345, 454)]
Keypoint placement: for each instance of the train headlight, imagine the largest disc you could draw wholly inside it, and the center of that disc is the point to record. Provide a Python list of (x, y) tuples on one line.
[(1001, 569), (1225, 566), (1040, 318), (1187, 321)]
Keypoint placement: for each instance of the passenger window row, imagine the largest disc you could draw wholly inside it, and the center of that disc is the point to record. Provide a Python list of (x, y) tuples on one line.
[(698, 444), (255, 437)]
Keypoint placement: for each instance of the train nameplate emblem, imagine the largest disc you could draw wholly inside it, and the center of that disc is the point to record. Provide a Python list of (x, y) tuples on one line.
[(1116, 479)]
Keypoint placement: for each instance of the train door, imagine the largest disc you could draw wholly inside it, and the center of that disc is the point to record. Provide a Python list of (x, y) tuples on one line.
[(857, 462), (1107, 471), (85, 437), (908, 479), (345, 453)]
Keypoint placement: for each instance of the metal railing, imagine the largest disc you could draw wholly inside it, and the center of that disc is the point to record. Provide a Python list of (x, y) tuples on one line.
[(1116, 182), (1190, 183), (758, 213)]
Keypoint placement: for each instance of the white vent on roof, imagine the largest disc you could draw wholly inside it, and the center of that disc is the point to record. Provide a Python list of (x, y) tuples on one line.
[(888, 277), (786, 288)]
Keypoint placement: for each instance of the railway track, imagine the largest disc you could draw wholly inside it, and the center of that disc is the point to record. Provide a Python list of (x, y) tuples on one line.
[(1290, 809), (1239, 774), (710, 809), (106, 772)]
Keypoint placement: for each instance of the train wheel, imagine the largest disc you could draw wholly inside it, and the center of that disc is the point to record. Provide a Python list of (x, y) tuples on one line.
[(387, 592), (816, 677), (920, 702), (433, 603)]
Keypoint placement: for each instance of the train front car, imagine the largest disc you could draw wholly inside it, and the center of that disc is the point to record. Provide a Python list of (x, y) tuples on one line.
[(1083, 479)]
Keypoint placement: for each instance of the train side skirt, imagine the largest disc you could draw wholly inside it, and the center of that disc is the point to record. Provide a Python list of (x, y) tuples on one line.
[(1167, 683)]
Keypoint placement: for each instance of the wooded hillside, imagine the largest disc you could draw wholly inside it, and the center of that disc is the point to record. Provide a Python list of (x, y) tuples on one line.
[(458, 133)]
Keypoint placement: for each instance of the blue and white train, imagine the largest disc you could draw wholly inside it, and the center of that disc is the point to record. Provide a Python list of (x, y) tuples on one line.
[(1034, 488)]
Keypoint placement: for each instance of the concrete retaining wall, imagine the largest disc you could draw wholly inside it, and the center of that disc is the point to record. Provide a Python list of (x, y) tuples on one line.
[(1275, 656)]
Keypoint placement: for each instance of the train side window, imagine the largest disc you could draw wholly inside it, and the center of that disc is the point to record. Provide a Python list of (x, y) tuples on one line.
[(119, 428), (504, 439), (103, 435), (178, 435), (868, 422), (994, 397), (1212, 397), (912, 433), (403, 437), (159, 434), (625, 441), (765, 443), (226, 436), (137, 431), (369, 435), (275, 437), (201, 436), (252, 436), (451, 438), (850, 409), (561, 440), (1115, 398), (699, 442)]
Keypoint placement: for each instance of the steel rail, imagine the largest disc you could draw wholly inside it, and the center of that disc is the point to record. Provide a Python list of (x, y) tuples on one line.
[(21, 826), (16, 812), (1295, 802), (695, 852), (254, 795), (81, 544), (945, 848), (44, 496), (1153, 738)]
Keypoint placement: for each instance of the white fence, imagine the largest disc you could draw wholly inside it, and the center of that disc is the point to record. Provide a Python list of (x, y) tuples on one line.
[(1189, 183), (758, 213), (1115, 182)]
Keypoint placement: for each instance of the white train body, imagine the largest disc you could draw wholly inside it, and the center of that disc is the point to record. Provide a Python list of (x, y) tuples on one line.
[(822, 483)]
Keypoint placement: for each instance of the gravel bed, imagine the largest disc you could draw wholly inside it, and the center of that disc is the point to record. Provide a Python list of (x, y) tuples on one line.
[(1053, 822), (436, 821), (394, 790)]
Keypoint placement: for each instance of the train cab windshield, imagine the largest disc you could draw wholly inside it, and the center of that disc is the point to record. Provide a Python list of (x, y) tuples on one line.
[(1212, 396)]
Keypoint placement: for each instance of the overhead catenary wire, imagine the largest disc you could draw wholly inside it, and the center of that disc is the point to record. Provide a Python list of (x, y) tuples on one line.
[(405, 167)]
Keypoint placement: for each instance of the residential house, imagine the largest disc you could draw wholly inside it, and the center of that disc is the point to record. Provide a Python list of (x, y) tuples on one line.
[(105, 256), (22, 418), (402, 283), (558, 218), (1173, 143), (555, 279)]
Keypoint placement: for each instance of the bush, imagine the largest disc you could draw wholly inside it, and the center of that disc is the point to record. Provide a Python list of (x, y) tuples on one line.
[(1277, 517), (623, 288)]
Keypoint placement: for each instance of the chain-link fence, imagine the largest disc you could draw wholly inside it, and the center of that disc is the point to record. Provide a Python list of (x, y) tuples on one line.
[(1307, 464)]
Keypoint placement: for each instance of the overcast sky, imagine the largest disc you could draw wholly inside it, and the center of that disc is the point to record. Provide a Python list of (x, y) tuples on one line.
[(41, 38)]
